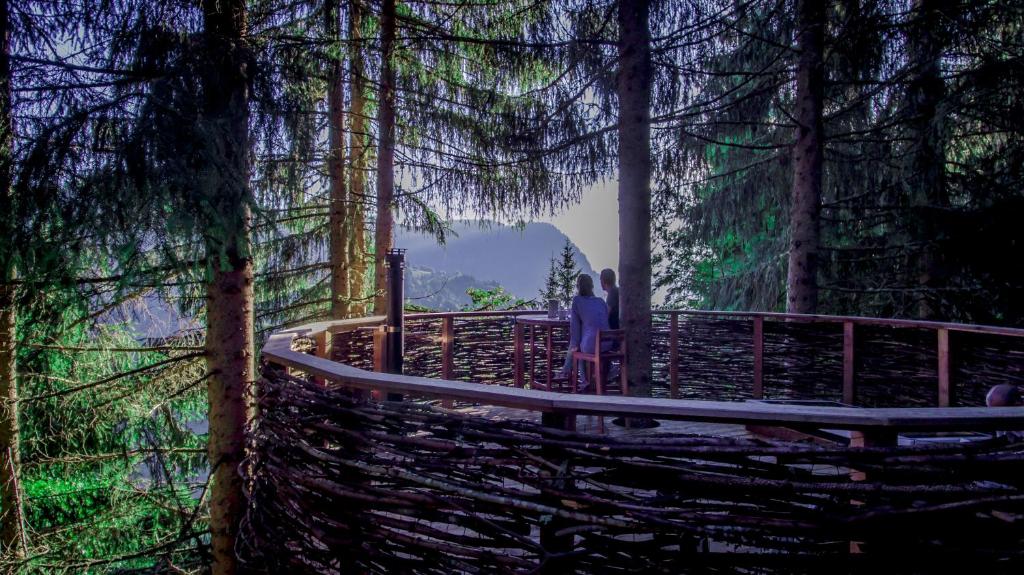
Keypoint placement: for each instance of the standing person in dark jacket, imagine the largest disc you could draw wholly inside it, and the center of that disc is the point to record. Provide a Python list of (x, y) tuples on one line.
[(608, 285)]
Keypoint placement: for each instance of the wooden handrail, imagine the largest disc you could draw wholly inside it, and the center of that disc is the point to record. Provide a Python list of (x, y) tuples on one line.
[(857, 320), (805, 318), (945, 386), (887, 420)]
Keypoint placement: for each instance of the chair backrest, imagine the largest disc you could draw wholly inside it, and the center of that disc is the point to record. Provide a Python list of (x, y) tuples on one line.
[(616, 335)]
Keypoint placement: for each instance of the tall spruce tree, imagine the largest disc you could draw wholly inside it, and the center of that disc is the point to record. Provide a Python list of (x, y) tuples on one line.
[(635, 85), (808, 152), (339, 220), (385, 227), (229, 307), (11, 509), (566, 273)]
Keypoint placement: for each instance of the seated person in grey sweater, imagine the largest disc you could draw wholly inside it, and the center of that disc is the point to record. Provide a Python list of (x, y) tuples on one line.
[(589, 314)]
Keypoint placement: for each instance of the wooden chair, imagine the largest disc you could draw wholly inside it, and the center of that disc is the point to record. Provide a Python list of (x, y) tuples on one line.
[(596, 363)]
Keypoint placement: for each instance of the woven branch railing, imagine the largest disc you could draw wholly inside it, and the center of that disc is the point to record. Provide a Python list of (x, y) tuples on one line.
[(735, 355), (337, 485)]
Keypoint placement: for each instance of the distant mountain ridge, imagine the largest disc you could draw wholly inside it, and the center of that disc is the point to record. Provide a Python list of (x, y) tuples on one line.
[(440, 290), (513, 257)]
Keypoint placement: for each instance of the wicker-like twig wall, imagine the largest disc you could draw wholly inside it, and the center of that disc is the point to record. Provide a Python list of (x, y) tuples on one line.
[(339, 487), (894, 366)]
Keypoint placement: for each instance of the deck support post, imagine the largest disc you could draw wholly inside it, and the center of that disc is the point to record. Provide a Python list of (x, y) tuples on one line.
[(673, 357), (946, 395), (868, 438), (550, 540), (758, 391), (849, 373)]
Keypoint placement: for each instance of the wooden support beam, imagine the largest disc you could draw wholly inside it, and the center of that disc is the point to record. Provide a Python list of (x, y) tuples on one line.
[(849, 374), (946, 395), (758, 391), (447, 354), (560, 478), (873, 438), (673, 357)]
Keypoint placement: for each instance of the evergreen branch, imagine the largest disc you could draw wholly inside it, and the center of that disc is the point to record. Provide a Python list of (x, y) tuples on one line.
[(105, 380)]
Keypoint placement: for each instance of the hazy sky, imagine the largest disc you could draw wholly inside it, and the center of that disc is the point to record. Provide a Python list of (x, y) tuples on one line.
[(593, 225)]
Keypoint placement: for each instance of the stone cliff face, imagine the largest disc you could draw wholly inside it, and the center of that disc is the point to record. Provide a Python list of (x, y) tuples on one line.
[(512, 257)]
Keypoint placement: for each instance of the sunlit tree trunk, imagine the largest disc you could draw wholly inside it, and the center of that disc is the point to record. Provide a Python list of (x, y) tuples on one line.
[(634, 91), (357, 159), (805, 210), (926, 176), (384, 231), (340, 226), (229, 316), (11, 518)]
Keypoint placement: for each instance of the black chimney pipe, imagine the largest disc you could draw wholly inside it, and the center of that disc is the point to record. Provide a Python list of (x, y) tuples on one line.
[(394, 340)]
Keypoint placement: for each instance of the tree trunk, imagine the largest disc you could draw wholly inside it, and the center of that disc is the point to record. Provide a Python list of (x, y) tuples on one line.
[(926, 176), (229, 311), (385, 155), (634, 91), (357, 161), (339, 224), (11, 512), (808, 152)]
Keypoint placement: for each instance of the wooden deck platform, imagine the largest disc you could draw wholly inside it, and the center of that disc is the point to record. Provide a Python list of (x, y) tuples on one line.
[(589, 424)]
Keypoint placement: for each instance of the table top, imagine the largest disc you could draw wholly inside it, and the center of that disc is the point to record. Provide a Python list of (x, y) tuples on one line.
[(541, 319)]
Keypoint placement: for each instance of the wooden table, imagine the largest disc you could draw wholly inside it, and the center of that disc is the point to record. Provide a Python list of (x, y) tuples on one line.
[(532, 323)]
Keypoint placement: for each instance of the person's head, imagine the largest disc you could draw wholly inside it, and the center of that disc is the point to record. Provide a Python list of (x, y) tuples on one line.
[(1004, 395), (585, 285), (607, 279)]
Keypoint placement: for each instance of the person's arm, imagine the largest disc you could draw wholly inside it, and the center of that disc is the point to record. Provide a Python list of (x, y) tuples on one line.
[(575, 324), (613, 308)]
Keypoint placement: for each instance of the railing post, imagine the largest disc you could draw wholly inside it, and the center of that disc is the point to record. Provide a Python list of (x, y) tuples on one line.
[(758, 391), (518, 363), (946, 395), (447, 354), (379, 341), (673, 356), (849, 373), (323, 349)]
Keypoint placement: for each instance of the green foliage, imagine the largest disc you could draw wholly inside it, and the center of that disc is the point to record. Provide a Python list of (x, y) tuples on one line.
[(494, 299), (566, 273), (111, 466), (913, 117), (550, 290)]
